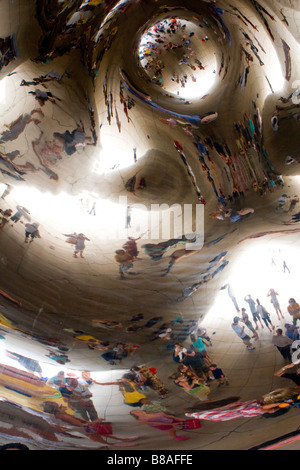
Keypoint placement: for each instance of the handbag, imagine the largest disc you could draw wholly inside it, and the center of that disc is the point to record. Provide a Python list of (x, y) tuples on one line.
[(191, 424), (103, 428), (99, 428)]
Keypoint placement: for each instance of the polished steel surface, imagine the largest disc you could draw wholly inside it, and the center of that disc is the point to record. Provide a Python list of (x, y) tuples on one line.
[(149, 158)]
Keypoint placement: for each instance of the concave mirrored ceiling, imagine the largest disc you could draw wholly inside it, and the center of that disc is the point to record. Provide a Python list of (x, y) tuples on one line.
[(149, 234)]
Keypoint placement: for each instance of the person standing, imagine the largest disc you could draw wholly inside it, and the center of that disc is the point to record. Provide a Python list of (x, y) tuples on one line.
[(31, 232), (239, 330), (125, 262), (294, 310), (283, 344), (264, 315), (255, 314), (198, 345), (130, 246), (128, 217), (21, 212), (80, 399), (79, 241), (245, 319), (273, 294), (231, 295)]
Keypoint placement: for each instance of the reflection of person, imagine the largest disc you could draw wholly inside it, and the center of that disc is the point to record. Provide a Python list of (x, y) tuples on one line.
[(31, 232), (198, 345), (248, 409), (294, 310), (161, 421), (58, 380), (95, 430), (79, 243), (18, 126), (127, 386), (26, 362), (255, 314), (283, 344), (125, 262), (149, 378), (130, 247), (245, 319), (273, 294), (128, 217), (21, 211), (231, 295), (239, 330), (272, 404), (5, 219), (80, 399), (292, 331), (264, 315), (294, 376), (219, 374), (42, 96), (179, 352), (191, 385), (72, 140)]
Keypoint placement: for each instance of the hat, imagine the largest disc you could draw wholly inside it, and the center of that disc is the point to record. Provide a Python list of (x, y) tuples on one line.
[(236, 319)]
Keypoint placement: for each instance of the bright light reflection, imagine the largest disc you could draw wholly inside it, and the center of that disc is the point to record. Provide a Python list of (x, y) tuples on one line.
[(116, 154), (50, 370), (65, 213), (255, 272), (195, 89), (277, 79)]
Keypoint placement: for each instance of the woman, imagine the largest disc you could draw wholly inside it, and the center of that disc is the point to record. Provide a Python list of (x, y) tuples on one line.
[(264, 315), (79, 241), (179, 353), (272, 404), (132, 396), (245, 319), (95, 430), (248, 409), (294, 310), (189, 372), (199, 345), (149, 378), (161, 421), (273, 294), (191, 385)]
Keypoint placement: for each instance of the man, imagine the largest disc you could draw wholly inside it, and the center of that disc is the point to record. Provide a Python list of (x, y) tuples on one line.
[(245, 319), (283, 344), (255, 314), (80, 399), (231, 295), (239, 330)]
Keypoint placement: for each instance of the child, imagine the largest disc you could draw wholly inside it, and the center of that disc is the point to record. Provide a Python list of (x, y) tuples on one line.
[(218, 374)]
